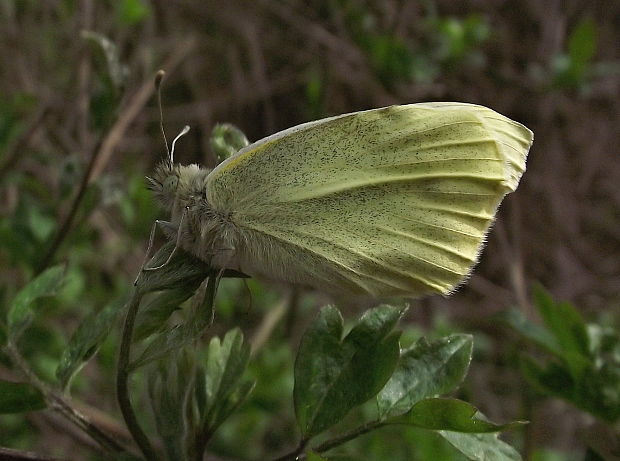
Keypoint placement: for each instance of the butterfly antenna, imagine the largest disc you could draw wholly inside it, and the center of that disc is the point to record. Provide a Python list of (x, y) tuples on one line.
[(174, 141), (158, 81)]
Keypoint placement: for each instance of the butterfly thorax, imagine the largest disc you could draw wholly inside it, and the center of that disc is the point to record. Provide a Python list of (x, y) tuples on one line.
[(182, 191)]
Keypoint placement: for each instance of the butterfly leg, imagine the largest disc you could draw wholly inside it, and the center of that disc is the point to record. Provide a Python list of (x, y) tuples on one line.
[(148, 249), (176, 244), (150, 246)]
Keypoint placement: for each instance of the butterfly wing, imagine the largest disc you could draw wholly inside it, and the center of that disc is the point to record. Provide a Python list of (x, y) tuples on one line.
[(391, 201)]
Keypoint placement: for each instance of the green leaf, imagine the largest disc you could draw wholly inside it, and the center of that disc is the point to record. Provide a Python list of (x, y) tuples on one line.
[(332, 375), (20, 315), (312, 456), (86, 341), (132, 12), (182, 271), (152, 317), (425, 370), (182, 334), (582, 44), (223, 392), (169, 385), (20, 398), (568, 327), (226, 140), (481, 447), (535, 333), (118, 72), (449, 415)]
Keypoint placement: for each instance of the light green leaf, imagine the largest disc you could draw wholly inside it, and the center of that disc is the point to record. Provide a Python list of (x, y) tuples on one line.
[(19, 398), (118, 72), (333, 375), (481, 447), (450, 415), (20, 314), (226, 363), (86, 341), (132, 12), (226, 140), (312, 456), (425, 370)]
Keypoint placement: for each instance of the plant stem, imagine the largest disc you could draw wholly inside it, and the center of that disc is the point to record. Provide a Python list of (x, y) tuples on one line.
[(333, 443), (122, 379), (329, 444), (205, 433), (58, 403), (294, 455)]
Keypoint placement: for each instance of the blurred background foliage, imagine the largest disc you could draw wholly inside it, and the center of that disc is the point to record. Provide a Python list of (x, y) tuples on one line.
[(76, 97)]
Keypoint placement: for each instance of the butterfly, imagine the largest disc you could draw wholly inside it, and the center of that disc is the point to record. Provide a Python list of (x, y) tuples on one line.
[(395, 201)]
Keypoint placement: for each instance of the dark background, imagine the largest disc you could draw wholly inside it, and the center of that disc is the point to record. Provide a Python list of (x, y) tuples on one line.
[(66, 95)]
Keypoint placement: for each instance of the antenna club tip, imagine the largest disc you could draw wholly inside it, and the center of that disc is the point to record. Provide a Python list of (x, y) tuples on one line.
[(159, 76)]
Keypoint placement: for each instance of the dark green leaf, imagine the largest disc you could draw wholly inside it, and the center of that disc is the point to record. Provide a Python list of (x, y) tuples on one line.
[(568, 327), (181, 335), (481, 447), (169, 385), (45, 284), (534, 332), (332, 375), (450, 415), (19, 398), (183, 271), (86, 341), (152, 317), (425, 370)]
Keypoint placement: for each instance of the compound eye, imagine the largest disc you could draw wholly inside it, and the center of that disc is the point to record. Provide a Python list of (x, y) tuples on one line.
[(170, 184)]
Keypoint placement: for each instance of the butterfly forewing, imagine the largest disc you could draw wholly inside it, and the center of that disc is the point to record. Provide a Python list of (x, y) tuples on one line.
[(392, 201)]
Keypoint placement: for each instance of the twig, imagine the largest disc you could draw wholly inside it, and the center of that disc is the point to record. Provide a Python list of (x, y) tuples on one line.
[(58, 403), (13, 151), (8, 454), (269, 323), (294, 455), (122, 379), (104, 148), (337, 441), (329, 444), (204, 435)]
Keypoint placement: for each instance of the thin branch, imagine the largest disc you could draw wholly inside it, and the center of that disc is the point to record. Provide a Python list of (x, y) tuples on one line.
[(56, 402), (122, 380), (337, 441), (9, 454), (104, 148), (297, 454), (14, 151)]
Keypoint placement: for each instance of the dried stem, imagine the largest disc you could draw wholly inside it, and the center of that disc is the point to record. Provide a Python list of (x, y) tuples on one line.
[(104, 148)]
